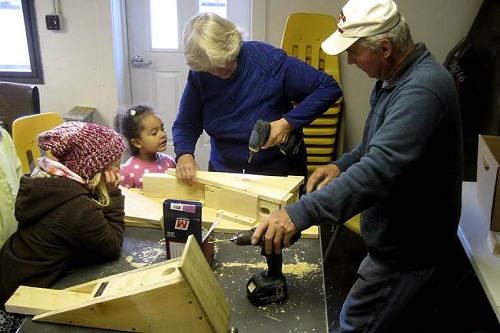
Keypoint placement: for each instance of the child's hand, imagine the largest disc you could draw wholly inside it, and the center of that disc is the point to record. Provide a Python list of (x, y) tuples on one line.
[(113, 179)]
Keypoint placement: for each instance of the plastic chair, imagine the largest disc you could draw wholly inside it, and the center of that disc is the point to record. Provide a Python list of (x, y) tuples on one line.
[(17, 100), (302, 38), (25, 132)]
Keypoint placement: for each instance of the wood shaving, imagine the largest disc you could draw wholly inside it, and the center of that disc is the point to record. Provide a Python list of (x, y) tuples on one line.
[(299, 269)]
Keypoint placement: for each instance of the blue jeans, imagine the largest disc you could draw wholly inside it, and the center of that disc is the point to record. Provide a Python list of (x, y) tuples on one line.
[(385, 300)]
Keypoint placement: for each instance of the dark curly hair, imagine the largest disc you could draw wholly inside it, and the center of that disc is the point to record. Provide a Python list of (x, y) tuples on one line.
[(128, 123)]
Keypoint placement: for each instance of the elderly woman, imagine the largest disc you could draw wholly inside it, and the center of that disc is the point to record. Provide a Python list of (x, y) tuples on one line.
[(233, 83)]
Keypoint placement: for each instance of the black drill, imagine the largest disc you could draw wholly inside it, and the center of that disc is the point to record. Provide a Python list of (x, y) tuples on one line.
[(267, 286), (260, 135)]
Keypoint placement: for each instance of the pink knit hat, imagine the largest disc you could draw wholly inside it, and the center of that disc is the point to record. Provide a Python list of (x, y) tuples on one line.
[(84, 148)]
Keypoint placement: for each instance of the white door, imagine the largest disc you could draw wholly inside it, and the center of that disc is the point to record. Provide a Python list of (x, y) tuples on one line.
[(158, 71)]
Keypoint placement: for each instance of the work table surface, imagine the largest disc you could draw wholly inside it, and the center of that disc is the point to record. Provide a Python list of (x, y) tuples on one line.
[(303, 311), (473, 233)]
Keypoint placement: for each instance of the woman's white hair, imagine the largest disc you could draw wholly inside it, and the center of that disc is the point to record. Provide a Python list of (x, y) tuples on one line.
[(210, 41)]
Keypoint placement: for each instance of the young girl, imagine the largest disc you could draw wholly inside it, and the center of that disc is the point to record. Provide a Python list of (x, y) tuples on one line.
[(70, 210), (144, 132)]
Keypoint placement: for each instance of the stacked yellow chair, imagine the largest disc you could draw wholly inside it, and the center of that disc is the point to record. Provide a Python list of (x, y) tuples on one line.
[(302, 38)]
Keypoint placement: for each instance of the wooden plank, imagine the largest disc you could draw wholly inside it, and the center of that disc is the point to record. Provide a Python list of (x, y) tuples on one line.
[(33, 301), (88, 287), (165, 186), (196, 271), (137, 280), (270, 188)]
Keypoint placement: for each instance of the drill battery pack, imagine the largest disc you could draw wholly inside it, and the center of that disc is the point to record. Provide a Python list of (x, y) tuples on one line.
[(263, 289)]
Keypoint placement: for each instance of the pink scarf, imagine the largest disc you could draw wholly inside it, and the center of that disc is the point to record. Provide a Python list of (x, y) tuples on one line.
[(56, 168)]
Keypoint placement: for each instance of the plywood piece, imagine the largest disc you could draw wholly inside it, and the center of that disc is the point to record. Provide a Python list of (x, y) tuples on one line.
[(141, 210), (228, 226), (233, 203), (155, 298), (289, 199)]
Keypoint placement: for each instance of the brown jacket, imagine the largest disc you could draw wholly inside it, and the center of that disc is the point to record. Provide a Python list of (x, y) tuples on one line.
[(60, 227)]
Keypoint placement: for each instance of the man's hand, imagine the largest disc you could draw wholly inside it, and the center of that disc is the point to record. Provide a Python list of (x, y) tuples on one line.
[(186, 169), (322, 176), (277, 228)]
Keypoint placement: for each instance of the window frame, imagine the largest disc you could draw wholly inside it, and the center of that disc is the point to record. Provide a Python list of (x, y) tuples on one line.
[(36, 73)]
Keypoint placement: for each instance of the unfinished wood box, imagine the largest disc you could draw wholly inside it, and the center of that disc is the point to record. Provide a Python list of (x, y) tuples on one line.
[(177, 295), (240, 200)]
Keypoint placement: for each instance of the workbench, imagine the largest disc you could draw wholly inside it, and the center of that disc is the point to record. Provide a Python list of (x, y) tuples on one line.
[(473, 232), (303, 311)]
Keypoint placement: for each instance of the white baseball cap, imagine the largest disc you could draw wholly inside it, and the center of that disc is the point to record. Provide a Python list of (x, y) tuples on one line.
[(361, 18)]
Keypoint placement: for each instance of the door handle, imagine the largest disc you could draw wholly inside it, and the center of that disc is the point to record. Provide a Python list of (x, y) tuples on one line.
[(138, 62)]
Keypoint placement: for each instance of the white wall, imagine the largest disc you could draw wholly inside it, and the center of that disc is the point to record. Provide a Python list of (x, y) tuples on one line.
[(79, 62)]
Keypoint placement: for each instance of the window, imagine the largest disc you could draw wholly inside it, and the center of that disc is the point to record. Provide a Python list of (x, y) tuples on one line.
[(163, 13), (20, 52)]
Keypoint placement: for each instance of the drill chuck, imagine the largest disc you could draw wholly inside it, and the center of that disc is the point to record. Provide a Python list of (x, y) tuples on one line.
[(259, 136)]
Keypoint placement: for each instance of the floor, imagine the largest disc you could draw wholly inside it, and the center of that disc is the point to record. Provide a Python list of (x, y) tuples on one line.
[(467, 311)]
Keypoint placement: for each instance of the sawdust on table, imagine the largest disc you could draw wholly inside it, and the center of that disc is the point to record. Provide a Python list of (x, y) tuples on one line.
[(148, 255), (299, 269)]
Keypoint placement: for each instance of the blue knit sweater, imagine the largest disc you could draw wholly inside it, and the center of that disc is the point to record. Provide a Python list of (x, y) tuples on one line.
[(263, 86), (405, 175)]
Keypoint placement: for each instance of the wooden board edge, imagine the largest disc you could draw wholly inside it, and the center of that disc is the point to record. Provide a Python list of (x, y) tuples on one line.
[(201, 279)]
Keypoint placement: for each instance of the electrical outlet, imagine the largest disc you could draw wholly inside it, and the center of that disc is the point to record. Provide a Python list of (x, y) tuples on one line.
[(53, 22)]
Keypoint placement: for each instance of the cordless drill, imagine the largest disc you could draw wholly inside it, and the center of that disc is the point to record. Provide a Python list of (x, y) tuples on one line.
[(267, 286), (260, 134)]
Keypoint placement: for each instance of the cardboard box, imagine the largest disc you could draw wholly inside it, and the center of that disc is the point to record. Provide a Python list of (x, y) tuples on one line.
[(488, 179), (181, 219)]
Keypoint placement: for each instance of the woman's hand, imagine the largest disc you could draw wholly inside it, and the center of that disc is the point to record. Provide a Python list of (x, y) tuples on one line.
[(186, 169), (280, 132)]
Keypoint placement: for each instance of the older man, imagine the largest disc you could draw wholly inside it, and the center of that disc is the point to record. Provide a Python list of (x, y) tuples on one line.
[(405, 176)]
